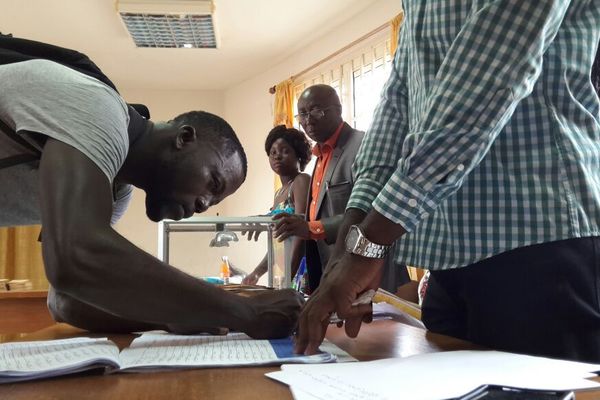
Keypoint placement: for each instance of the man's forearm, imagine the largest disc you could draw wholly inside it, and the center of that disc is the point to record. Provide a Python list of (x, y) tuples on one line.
[(378, 229), (375, 226), (89, 261), (116, 277), (262, 267), (64, 308)]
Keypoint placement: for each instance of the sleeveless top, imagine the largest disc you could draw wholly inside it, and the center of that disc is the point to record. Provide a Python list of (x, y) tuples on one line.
[(286, 206)]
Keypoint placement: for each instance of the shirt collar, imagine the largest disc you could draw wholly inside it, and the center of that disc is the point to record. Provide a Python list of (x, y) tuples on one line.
[(320, 148)]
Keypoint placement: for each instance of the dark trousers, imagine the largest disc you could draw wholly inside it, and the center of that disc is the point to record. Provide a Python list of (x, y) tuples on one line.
[(542, 299), (313, 265)]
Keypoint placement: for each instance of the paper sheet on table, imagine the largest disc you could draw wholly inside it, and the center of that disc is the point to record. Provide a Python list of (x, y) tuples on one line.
[(435, 376), (300, 394)]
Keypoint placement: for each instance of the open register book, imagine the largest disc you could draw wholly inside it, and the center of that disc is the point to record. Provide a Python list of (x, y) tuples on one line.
[(150, 352)]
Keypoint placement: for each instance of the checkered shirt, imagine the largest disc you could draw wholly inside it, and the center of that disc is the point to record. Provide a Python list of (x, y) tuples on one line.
[(487, 136)]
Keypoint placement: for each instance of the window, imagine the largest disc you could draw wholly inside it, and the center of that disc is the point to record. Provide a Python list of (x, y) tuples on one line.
[(368, 79), (358, 76)]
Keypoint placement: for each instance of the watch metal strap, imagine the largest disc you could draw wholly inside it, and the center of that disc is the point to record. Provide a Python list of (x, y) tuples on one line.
[(366, 248), (372, 250)]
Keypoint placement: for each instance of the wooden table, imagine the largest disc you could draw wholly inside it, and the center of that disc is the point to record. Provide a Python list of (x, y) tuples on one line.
[(381, 339), (24, 311)]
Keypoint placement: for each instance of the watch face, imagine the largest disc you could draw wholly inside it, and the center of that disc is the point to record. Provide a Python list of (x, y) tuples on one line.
[(352, 238)]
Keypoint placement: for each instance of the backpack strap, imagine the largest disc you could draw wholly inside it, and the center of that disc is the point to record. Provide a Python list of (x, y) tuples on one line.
[(14, 49), (19, 158)]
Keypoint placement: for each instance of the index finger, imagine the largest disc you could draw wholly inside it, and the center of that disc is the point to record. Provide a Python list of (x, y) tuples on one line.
[(313, 323), (355, 317)]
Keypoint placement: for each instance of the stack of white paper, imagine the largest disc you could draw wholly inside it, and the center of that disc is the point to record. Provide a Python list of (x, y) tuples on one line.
[(433, 376)]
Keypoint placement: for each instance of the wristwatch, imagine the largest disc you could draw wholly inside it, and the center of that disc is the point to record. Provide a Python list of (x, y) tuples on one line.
[(357, 243)]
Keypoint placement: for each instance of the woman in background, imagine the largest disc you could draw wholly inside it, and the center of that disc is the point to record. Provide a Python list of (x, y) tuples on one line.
[(289, 152)]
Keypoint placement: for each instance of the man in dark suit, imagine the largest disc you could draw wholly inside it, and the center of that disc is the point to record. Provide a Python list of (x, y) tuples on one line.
[(337, 143)]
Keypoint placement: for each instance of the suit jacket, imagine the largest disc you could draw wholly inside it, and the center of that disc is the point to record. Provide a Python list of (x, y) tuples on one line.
[(338, 181), (331, 205)]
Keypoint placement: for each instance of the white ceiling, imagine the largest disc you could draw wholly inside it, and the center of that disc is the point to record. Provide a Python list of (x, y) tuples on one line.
[(253, 35)]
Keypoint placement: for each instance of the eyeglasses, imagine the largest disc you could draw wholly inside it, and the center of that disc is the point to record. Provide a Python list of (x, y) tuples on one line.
[(316, 113)]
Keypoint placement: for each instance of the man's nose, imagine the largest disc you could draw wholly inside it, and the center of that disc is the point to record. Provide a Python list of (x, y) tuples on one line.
[(202, 206)]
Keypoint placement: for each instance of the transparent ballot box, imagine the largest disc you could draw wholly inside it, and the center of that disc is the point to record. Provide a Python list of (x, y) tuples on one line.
[(211, 238)]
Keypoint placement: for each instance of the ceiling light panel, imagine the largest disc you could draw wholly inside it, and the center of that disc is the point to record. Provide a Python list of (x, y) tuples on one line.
[(173, 24)]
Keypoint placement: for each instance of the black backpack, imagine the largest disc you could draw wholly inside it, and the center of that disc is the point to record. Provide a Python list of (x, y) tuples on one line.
[(14, 50)]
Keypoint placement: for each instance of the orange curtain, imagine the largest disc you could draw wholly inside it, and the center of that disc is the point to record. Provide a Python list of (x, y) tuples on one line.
[(283, 113), (21, 255), (395, 24)]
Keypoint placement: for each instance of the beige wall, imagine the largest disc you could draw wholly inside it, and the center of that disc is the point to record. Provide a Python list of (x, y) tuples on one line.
[(248, 108)]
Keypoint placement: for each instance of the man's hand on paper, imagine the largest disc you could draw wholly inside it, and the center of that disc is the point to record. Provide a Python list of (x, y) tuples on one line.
[(275, 314), (288, 225), (346, 279)]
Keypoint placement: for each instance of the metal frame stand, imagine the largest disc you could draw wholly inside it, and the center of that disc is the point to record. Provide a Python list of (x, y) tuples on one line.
[(235, 224)]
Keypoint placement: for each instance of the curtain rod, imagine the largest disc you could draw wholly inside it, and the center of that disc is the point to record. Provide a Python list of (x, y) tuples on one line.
[(332, 55)]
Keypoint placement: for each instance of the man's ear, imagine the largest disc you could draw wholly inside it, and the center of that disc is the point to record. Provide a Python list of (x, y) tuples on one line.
[(186, 134)]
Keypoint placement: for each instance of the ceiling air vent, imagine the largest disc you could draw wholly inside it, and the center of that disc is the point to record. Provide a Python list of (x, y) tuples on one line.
[(169, 23)]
